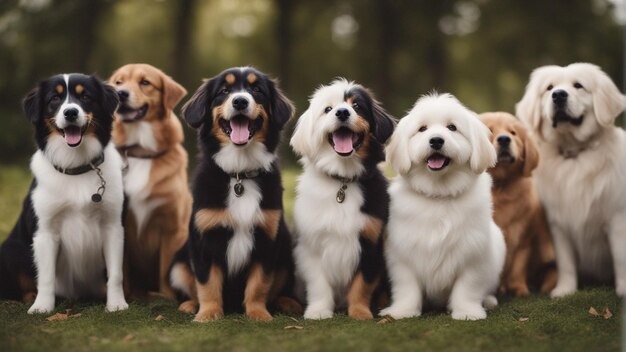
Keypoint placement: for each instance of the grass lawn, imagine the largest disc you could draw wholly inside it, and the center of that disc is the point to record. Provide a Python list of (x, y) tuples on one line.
[(533, 324)]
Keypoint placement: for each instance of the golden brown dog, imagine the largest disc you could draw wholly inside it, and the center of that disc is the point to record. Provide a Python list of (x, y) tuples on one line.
[(518, 210), (149, 136)]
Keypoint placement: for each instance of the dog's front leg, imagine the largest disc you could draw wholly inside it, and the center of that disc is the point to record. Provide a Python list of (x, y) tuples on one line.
[(567, 281), (320, 300), (617, 241), (45, 248), (114, 257), (468, 293)]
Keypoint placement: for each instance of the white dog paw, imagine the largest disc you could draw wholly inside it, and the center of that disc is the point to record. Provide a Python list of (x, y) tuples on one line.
[(317, 313), (562, 291), (490, 302), (469, 314), (116, 305), (41, 306), (399, 313)]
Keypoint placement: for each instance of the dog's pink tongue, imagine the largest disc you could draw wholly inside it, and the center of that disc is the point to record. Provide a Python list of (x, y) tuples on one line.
[(436, 162), (239, 131), (342, 142), (72, 135)]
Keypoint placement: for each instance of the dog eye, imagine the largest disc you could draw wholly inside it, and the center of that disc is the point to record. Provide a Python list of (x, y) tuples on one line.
[(578, 85), (513, 133), (327, 110), (550, 87), (355, 106), (144, 82), (422, 129), (224, 91), (85, 98), (451, 127), (118, 83), (256, 89), (55, 99)]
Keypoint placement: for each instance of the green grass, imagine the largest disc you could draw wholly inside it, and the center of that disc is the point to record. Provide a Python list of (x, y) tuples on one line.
[(533, 324)]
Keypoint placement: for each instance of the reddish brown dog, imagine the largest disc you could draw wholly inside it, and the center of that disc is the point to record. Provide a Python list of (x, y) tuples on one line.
[(517, 209), (149, 136)]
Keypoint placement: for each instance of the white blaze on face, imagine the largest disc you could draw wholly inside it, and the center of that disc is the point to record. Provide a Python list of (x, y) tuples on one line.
[(71, 126)]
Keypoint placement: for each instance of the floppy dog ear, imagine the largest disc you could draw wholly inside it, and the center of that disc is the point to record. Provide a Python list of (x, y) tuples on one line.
[(109, 100), (608, 101), (31, 104), (529, 108), (172, 92), (483, 152), (301, 139), (195, 109), (281, 108), (531, 155), (397, 153), (385, 123)]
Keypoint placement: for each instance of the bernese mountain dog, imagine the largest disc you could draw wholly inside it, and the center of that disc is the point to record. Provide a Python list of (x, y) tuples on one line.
[(69, 240), (239, 251), (342, 204)]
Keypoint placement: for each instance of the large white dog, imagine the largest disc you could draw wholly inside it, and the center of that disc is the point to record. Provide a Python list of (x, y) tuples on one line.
[(443, 244), (581, 177)]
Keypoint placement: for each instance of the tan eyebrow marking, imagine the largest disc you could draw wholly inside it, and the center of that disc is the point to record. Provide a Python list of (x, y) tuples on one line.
[(251, 78), (79, 89), (230, 79), (59, 88)]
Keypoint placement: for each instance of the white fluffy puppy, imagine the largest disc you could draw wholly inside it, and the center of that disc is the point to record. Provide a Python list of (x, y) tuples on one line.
[(571, 112), (443, 245)]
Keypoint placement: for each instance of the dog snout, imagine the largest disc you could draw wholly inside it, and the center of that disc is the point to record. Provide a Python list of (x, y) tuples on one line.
[(436, 143), (123, 94), (70, 114), (343, 114), (240, 103), (559, 97), (503, 141)]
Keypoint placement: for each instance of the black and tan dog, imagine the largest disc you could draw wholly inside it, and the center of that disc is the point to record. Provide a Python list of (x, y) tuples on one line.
[(239, 248)]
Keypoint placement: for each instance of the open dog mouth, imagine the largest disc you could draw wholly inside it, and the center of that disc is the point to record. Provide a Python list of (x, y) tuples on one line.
[(345, 141), (437, 161), (240, 128), (73, 134), (560, 116), (128, 114), (504, 156)]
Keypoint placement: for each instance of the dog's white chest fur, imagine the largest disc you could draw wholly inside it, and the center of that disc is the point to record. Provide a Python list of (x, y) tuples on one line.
[(328, 231), (246, 212), (66, 213)]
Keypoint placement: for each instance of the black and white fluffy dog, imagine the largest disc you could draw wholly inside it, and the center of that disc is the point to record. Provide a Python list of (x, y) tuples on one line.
[(342, 203), (69, 238), (239, 249)]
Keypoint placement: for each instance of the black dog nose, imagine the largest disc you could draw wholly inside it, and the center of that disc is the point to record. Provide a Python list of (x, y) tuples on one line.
[(436, 143), (123, 94), (240, 103), (70, 114), (342, 114), (559, 97), (504, 140)]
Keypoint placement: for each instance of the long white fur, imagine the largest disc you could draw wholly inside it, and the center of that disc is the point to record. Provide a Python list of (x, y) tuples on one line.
[(77, 239), (443, 245), (327, 248), (580, 177)]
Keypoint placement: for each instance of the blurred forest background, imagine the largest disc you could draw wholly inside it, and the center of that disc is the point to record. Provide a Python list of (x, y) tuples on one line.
[(480, 50)]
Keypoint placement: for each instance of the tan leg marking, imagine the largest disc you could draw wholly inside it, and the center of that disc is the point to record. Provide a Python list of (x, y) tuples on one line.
[(359, 298), (257, 291), (210, 296)]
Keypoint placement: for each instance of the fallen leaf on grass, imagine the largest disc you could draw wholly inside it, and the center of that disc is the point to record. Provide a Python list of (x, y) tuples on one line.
[(607, 313), (386, 320), (294, 327), (159, 317), (593, 312), (77, 315), (128, 338), (522, 319), (294, 319), (57, 317)]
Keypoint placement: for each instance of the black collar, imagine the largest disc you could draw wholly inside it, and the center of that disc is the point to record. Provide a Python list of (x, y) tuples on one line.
[(137, 151), (344, 179), (246, 174), (79, 170)]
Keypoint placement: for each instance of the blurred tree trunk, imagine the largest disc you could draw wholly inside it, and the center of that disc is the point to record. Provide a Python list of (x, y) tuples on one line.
[(85, 25), (436, 50), (386, 40), (284, 9), (183, 25)]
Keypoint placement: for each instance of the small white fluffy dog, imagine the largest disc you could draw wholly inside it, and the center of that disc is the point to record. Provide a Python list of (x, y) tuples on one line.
[(443, 245), (581, 176)]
